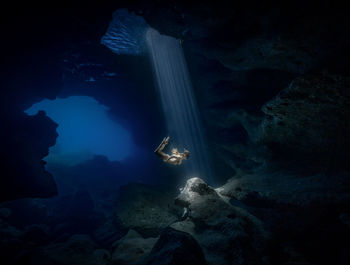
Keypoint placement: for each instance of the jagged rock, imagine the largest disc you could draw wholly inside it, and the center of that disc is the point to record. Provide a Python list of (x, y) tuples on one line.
[(25, 212), (72, 214), (102, 255), (175, 247), (227, 234), (8, 232), (34, 257), (265, 188), (79, 205), (36, 233), (146, 209), (132, 248), (10, 244), (5, 212), (108, 232), (307, 123), (79, 249), (26, 141), (298, 55), (241, 38)]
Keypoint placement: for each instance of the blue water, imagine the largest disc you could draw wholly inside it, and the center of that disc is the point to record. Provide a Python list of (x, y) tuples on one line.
[(85, 129)]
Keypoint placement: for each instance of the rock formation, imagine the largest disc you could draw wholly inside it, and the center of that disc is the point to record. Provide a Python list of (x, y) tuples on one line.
[(307, 123), (132, 248), (175, 247), (227, 234), (146, 209)]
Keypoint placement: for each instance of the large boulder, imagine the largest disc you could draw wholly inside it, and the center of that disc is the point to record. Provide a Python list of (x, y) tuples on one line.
[(108, 232), (26, 212), (79, 249), (132, 248), (266, 188), (146, 209), (175, 247), (227, 234), (307, 123)]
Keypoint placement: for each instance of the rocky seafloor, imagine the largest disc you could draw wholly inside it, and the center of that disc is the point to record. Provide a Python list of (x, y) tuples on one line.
[(149, 225)]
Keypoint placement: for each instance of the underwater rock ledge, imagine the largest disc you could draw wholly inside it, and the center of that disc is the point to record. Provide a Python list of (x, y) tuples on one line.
[(225, 234)]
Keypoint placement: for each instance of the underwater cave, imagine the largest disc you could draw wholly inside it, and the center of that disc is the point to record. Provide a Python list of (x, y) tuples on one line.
[(175, 133)]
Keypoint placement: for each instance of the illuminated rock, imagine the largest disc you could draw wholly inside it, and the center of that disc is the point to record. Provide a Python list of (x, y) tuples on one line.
[(132, 248), (227, 234), (79, 249), (146, 209), (176, 247)]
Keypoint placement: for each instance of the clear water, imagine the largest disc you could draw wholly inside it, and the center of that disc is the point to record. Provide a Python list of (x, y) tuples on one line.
[(85, 129)]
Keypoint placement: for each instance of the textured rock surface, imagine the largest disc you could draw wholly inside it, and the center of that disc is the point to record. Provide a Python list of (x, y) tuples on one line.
[(175, 247), (132, 248), (307, 123), (26, 141), (283, 187), (146, 209), (227, 234), (299, 212), (79, 249), (253, 34)]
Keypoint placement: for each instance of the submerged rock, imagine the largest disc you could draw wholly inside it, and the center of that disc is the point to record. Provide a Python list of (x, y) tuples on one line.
[(132, 248), (146, 209), (79, 249), (108, 232), (36, 234), (35, 257), (227, 234), (175, 247), (26, 140), (307, 123)]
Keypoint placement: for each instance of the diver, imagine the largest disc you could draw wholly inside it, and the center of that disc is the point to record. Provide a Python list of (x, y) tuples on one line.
[(175, 158)]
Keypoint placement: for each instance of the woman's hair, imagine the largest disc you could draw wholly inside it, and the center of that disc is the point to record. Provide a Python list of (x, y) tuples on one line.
[(186, 154), (174, 151)]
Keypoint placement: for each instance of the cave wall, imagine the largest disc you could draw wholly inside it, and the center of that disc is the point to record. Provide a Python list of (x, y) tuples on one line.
[(26, 140), (35, 40), (243, 57)]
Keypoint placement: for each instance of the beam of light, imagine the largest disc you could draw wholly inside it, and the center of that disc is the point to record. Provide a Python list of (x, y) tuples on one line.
[(126, 33), (178, 101), (84, 129)]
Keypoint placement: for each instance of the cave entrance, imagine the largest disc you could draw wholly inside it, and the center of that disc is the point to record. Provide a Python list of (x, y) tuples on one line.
[(85, 129)]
